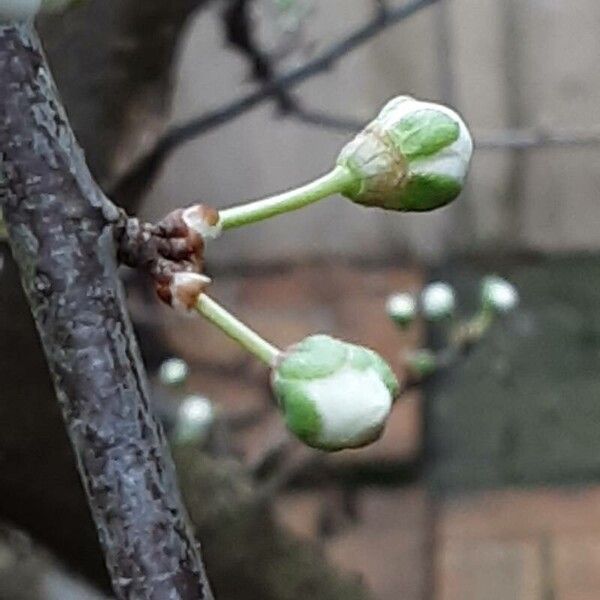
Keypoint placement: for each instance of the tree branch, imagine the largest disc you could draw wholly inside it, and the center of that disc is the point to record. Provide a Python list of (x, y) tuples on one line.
[(136, 181), (61, 231)]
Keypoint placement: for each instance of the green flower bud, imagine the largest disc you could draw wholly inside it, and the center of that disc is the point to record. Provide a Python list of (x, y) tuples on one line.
[(498, 294), (401, 308), (334, 395), (438, 301), (413, 157)]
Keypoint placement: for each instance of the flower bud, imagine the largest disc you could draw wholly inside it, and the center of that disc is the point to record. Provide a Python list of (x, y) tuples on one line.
[(498, 294), (334, 395), (438, 301), (401, 308), (173, 372), (194, 421), (413, 157)]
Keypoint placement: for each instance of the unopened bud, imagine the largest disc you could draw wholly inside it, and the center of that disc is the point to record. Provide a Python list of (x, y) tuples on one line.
[(438, 301), (195, 419), (173, 372), (334, 395), (413, 157), (499, 294), (402, 308)]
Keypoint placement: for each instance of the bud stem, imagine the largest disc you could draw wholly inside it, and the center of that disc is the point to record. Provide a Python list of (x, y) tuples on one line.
[(238, 331), (334, 182)]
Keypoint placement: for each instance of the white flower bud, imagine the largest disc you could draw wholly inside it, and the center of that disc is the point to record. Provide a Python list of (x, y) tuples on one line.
[(413, 157), (499, 294), (173, 372), (334, 395), (402, 308), (438, 301), (195, 419)]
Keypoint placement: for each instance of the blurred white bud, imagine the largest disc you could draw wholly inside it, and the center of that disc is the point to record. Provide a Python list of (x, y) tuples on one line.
[(195, 419), (499, 294), (173, 372), (438, 301), (402, 308)]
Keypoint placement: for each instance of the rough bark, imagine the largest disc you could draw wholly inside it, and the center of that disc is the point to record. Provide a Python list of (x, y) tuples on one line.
[(60, 228), (114, 72)]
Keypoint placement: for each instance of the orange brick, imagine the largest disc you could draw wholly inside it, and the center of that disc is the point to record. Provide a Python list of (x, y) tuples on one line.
[(291, 289), (576, 562), (489, 570), (516, 513), (387, 545), (361, 317)]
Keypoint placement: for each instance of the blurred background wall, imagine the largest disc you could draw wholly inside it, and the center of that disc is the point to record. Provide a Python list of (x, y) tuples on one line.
[(527, 65)]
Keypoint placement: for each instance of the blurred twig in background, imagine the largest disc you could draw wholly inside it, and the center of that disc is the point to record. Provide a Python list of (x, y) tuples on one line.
[(135, 182)]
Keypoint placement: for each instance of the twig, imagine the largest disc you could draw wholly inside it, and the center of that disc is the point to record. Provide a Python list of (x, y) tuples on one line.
[(239, 33), (136, 181)]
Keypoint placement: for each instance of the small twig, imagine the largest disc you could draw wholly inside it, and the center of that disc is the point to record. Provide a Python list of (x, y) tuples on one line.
[(239, 33), (135, 182)]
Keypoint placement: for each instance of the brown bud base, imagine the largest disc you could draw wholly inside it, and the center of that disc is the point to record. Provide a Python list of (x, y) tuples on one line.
[(171, 252)]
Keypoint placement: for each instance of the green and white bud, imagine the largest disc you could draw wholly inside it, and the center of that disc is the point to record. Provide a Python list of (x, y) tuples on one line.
[(498, 294), (173, 372), (23, 10), (438, 301), (334, 395), (402, 308), (195, 418), (413, 157)]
